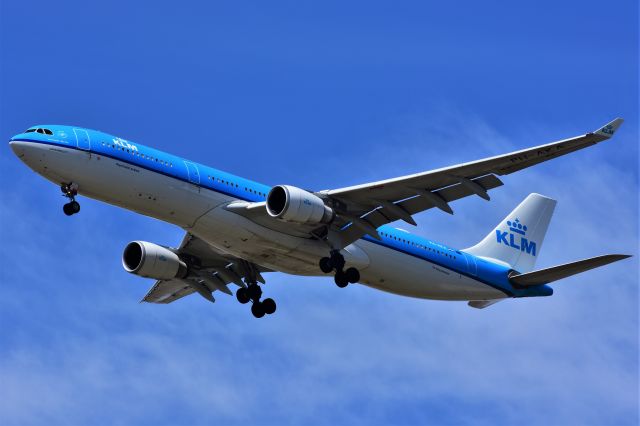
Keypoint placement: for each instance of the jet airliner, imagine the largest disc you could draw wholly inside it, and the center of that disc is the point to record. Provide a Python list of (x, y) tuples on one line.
[(237, 230)]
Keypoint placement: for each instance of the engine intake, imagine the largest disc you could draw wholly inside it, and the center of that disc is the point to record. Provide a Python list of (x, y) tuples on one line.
[(152, 261), (292, 204)]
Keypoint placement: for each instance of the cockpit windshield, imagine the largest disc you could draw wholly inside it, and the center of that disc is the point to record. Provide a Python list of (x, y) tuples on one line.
[(39, 130)]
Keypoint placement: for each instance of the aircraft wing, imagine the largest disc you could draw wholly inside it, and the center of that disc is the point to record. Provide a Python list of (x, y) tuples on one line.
[(211, 271), (363, 208)]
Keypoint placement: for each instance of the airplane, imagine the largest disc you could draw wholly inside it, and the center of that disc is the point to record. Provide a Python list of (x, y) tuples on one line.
[(237, 230)]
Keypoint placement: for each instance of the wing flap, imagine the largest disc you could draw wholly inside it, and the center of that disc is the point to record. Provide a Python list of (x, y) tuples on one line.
[(455, 192), (545, 276), (167, 291), (416, 204)]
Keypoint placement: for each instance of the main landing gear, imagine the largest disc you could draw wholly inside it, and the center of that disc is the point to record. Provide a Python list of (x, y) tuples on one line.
[(335, 262), (253, 293), (70, 190)]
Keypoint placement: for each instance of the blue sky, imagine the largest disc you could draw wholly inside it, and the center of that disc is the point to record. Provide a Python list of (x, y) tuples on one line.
[(321, 95)]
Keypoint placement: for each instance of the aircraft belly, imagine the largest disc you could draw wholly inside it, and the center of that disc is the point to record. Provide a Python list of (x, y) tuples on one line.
[(197, 210), (399, 273), (131, 187), (56, 163), (236, 235)]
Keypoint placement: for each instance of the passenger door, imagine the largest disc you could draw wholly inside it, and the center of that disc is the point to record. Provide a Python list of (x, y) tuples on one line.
[(193, 173), (472, 268), (83, 140)]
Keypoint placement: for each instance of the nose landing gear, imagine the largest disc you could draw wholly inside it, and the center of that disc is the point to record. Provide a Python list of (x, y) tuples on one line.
[(336, 262), (70, 190)]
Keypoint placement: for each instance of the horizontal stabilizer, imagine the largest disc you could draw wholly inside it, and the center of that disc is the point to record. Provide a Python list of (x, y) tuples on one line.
[(544, 276), (481, 304)]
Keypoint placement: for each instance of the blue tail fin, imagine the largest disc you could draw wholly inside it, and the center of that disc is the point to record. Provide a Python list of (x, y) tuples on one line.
[(517, 240)]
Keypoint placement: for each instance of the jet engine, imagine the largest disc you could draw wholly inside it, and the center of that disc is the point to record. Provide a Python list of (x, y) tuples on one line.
[(292, 204), (152, 261)]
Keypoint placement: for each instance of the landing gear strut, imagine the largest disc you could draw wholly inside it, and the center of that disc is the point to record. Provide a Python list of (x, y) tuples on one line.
[(70, 190), (253, 293), (335, 262)]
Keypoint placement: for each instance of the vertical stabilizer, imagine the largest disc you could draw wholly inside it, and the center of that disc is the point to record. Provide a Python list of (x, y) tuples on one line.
[(517, 240)]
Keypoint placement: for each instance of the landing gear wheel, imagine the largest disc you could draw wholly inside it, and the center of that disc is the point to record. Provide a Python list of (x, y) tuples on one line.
[(242, 295), (353, 275), (269, 306), (337, 260), (254, 292), (257, 309), (341, 279), (75, 207), (67, 209), (325, 265)]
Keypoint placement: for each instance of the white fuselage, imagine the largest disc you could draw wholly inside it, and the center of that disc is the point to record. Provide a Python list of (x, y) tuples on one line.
[(201, 211)]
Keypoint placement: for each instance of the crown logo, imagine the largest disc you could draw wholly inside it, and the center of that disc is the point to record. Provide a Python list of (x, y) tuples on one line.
[(608, 129), (517, 227)]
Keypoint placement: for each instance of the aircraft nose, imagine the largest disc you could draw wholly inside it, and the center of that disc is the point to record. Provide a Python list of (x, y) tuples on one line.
[(30, 154), (19, 148)]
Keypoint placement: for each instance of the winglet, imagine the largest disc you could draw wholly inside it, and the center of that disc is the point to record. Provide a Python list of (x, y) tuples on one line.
[(610, 128)]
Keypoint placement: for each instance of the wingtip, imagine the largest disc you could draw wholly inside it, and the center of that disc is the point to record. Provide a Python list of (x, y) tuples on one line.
[(610, 128), (617, 257), (625, 256)]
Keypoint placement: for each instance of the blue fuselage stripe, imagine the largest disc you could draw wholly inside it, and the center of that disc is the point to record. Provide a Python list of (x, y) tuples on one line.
[(162, 172), (396, 247)]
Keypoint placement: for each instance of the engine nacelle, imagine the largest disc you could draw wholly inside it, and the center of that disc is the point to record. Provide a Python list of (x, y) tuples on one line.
[(293, 204), (152, 261)]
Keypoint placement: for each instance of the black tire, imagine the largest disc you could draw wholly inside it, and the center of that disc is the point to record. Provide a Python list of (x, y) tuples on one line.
[(67, 209), (337, 261), (257, 309), (341, 279), (325, 265), (242, 295), (353, 275), (269, 306), (254, 292), (75, 207)]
